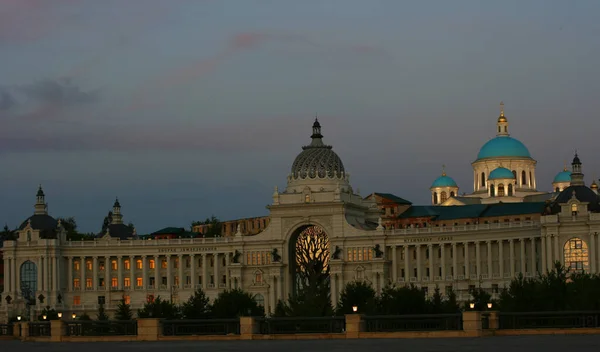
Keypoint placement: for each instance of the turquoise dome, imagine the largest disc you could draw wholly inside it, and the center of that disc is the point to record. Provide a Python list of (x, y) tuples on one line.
[(503, 146), (444, 181), (500, 173), (563, 176)]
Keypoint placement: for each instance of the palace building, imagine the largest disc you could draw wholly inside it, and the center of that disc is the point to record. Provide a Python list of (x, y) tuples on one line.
[(505, 228)]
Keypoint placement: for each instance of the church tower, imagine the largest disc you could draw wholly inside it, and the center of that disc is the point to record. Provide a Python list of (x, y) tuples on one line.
[(502, 123), (40, 208)]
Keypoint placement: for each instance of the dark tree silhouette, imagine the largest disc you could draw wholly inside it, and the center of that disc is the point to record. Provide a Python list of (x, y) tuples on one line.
[(312, 258)]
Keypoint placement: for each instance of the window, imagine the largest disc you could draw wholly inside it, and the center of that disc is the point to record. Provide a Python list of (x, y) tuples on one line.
[(501, 190), (127, 299), (76, 283), (492, 193), (574, 209), (163, 264), (139, 264), (188, 262), (176, 263), (151, 264), (523, 178), (576, 255), (113, 265), (452, 194), (127, 264), (483, 179), (258, 277), (435, 198), (101, 282), (307, 198), (510, 189), (76, 266), (139, 282), (514, 174), (114, 282), (89, 283), (443, 197), (88, 265), (150, 298), (260, 300), (101, 266), (127, 282), (76, 300)]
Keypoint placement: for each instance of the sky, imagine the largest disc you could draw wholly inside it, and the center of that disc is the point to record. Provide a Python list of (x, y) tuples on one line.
[(186, 109)]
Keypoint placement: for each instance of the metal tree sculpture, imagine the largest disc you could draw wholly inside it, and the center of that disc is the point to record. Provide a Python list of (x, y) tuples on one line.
[(312, 259)]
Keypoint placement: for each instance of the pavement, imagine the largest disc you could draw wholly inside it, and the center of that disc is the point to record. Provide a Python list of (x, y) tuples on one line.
[(547, 343)]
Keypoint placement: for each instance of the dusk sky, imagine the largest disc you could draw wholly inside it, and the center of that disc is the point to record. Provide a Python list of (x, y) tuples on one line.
[(185, 109)]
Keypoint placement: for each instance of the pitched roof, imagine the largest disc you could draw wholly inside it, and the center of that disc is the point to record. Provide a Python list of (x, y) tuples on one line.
[(505, 209), (393, 198), (169, 231), (472, 210)]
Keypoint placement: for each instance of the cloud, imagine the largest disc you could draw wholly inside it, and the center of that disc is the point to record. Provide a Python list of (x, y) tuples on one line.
[(6, 100), (60, 91)]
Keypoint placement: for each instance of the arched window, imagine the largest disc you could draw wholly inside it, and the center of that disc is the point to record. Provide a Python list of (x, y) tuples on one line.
[(574, 209), (151, 264), (557, 189), (259, 299), (492, 193), (435, 198), (523, 178), (307, 198), (499, 129), (127, 264), (28, 279), (501, 190), (452, 194), (530, 178), (258, 279), (576, 255), (483, 179), (443, 197), (510, 189), (139, 264), (505, 128), (515, 174)]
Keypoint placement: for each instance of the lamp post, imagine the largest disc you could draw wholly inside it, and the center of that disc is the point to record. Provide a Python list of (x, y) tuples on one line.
[(44, 317), (472, 305), (489, 305), (73, 316), (354, 309), (59, 315)]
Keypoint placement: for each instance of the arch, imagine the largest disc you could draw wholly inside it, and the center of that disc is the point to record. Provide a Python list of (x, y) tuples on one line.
[(28, 274), (451, 193), (443, 197), (483, 179), (435, 198), (531, 178), (309, 255), (576, 255), (258, 277), (557, 189), (501, 190), (492, 193), (259, 299), (574, 208), (514, 174), (523, 178), (510, 190)]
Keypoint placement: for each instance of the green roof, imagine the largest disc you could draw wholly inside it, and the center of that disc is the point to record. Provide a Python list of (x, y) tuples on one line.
[(393, 198), (472, 210), (169, 231)]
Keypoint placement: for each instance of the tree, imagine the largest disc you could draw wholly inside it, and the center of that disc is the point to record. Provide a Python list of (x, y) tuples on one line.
[(481, 298), (102, 316), (197, 306), (450, 304), (159, 308), (360, 294), (85, 317), (235, 303), (402, 300), (436, 303), (214, 228), (50, 314), (107, 221), (70, 226), (124, 311)]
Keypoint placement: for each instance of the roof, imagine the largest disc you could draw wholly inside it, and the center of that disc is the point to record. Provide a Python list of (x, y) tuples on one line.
[(169, 231), (563, 176), (582, 193), (503, 146), (444, 181), (393, 198), (468, 200), (501, 173), (120, 231), (40, 222), (472, 210)]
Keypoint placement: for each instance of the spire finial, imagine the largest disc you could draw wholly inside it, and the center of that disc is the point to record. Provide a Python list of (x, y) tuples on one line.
[(444, 170), (565, 167), (501, 108)]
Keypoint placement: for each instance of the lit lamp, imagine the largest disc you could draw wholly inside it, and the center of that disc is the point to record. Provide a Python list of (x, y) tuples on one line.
[(472, 305), (44, 317), (490, 305), (59, 315), (18, 318), (74, 316), (355, 309)]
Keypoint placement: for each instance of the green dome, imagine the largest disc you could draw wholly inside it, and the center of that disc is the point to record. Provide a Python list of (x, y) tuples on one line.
[(563, 176), (503, 146), (444, 181), (501, 173)]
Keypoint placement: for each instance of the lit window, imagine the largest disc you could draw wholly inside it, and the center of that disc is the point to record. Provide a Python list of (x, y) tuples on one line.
[(127, 299), (163, 264), (576, 255), (443, 197), (139, 282), (176, 281), (114, 265), (176, 263), (114, 282), (307, 198), (101, 266), (76, 265), (260, 300), (258, 277), (88, 283), (139, 264), (76, 300), (88, 265), (76, 283), (574, 209), (150, 298), (501, 190), (151, 264), (127, 282), (127, 264)]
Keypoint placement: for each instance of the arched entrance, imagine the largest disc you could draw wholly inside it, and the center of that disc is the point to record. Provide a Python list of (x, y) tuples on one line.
[(309, 260), (28, 273), (576, 255)]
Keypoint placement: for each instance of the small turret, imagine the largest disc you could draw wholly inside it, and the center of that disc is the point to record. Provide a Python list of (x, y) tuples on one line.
[(576, 173), (40, 208), (502, 123), (117, 217)]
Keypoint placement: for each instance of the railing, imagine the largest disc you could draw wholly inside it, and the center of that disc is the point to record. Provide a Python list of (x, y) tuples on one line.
[(459, 228), (420, 322), (541, 320), (299, 325), (200, 327), (6, 329), (148, 242), (39, 329), (101, 328)]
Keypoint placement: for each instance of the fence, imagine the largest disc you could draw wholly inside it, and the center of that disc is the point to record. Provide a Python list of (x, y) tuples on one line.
[(39, 329), (302, 325), (101, 328), (6, 329), (556, 320), (199, 327), (420, 322)]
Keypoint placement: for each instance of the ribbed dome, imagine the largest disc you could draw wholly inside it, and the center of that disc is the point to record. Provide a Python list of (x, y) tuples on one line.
[(563, 176), (317, 160), (503, 146), (501, 173)]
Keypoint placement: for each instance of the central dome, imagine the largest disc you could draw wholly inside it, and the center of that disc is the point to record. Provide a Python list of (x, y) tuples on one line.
[(503, 146), (317, 160)]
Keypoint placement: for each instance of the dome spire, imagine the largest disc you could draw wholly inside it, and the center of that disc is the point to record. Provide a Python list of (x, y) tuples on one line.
[(317, 137), (444, 170), (502, 123), (576, 172)]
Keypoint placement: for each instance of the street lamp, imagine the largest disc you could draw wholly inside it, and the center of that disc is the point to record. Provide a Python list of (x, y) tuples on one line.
[(355, 309), (18, 318), (74, 316), (44, 317), (489, 305), (59, 315), (472, 305)]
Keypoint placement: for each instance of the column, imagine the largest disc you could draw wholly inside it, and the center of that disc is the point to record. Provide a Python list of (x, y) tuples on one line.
[(132, 266), (543, 250), (489, 260), (40, 286), (70, 274), (144, 272), (333, 290), (280, 286), (156, 272), (272, 302), (407, 274), (95, 273), (443, 260), (107, 278), (454, 261), (8, 272), (557, 255), (120, 272), (478, 259), (181, 278), (431, 262), (501, 259), (55, 281), (82, 282), (216, 268), (394, 265), (227, 281), (467, 264), (592, 253), (511, 245), (418, 249), (169, 273), (523, 260), (550, 259), (204, 272), (193, 271), (533, 256)]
